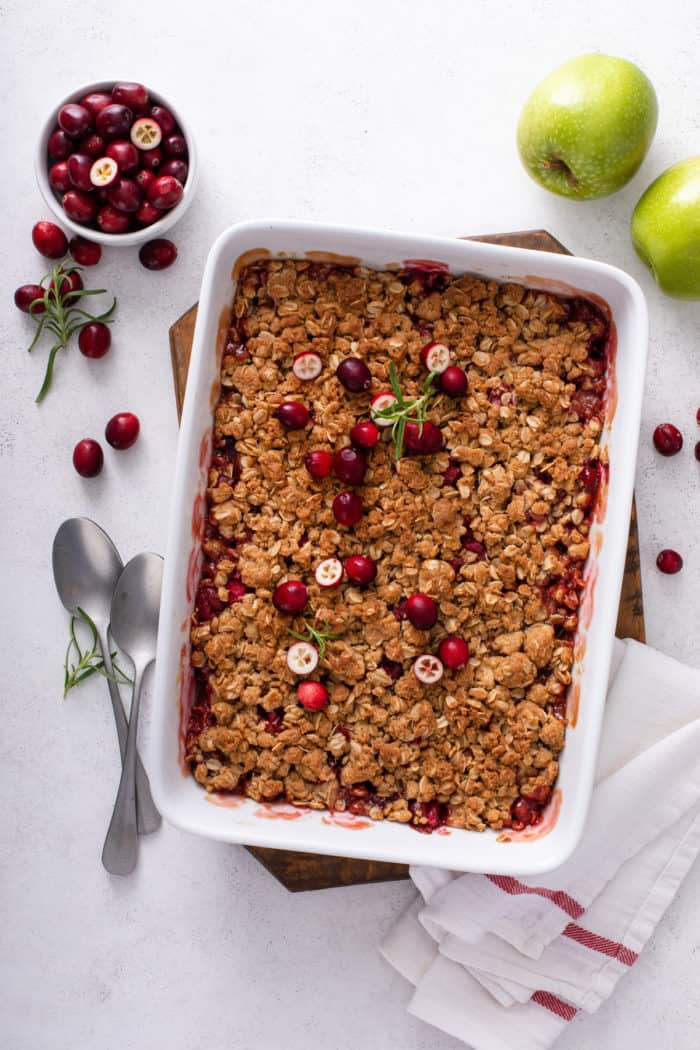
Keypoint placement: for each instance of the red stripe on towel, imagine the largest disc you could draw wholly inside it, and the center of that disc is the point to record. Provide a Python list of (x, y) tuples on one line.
[(566, 1011), (601, 944), (558, 897)]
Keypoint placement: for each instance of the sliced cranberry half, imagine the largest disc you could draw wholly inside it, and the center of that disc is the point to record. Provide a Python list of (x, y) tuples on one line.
[(307, 366), (104, 171), (329, 572), (146, 133), (435, 357), (380, 403), (428, 669), (302, 658)]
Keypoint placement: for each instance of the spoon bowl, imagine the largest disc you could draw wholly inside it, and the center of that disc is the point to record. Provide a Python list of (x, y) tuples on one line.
[(86, 567), (136, 606)]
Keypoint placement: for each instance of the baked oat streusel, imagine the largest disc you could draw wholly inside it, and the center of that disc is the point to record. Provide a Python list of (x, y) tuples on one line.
[(493, 527)]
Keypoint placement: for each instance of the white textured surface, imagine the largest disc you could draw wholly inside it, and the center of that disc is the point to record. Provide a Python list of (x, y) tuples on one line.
[(400, 114)]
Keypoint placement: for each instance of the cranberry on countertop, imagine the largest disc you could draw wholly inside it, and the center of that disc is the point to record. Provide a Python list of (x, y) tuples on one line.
[(94, 340), (49, 240), (669, 562), (122, 430), (26, 294), (88, 458), (668, 439), (85, 253), (158, 254)]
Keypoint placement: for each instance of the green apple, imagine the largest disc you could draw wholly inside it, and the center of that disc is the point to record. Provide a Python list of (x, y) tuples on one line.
[(586, 128), (666, 229)]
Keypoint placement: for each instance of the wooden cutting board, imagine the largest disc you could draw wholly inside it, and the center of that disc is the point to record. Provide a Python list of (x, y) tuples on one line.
[(310, 871)]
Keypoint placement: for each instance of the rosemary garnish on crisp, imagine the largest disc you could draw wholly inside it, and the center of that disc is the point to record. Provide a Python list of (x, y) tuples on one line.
[(61, 315), (314, 636), (406, 410), (83, 663)]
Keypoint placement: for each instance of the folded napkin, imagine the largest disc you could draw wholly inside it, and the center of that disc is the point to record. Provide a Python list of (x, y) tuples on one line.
[(505, 963)]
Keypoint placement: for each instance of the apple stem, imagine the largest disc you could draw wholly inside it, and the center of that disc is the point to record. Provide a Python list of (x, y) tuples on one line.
[(557, 164)]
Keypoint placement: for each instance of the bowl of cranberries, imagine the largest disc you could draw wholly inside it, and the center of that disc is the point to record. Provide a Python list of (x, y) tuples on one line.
[(116, 163)]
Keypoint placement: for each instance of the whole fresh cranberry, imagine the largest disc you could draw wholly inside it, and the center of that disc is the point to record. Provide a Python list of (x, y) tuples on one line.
[(59, 145), (293, 415), (668, 439), (177, 168), (49, 240), (697, 450), (79, 206), (75, 120), (422, 611), (669, 562), (111, 220), (423, 441), (26, 294), (151, 158), (79, 166), (124, 153), (85, 253), (146, 214), (72, 282), (96, 101), (132, 95), (143, 179), (360, 569), (312, 695), (93, 145), (347, 508), (290, 597), (454, 652), (349, 466), (88, 458), (59, 177), (453, 382), (319, 463), (124, 195), (158, 254), (114, 121), (175, 146), (94, 340), (122, 430), (365, 434), (164, 192), (354, 375), (164, 118)]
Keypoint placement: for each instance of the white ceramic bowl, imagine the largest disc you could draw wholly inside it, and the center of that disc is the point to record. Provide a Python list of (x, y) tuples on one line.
[(133, 237), (278, 825)]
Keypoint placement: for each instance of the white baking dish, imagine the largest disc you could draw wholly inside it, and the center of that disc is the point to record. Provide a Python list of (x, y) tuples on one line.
[(179, 798)]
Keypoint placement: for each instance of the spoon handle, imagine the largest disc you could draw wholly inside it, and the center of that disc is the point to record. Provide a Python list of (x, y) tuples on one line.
[(147, 816), (120, 851)]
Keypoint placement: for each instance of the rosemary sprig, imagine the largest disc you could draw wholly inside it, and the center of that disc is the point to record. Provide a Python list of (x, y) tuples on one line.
[(319, 638), (60, 315), (87, 661), (407, 410)]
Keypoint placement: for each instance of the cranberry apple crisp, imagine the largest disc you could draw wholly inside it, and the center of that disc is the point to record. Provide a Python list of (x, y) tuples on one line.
[(404, 472)]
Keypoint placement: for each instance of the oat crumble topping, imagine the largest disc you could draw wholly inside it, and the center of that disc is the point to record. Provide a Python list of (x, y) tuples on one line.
[(494, 528)]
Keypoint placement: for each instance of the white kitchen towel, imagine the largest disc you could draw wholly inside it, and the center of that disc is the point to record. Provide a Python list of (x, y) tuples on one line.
[(506, 963)]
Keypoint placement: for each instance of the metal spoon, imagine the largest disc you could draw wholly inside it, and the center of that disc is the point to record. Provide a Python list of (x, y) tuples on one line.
[(86, 567), (135, 609)]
